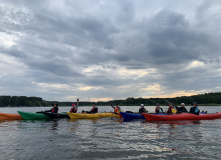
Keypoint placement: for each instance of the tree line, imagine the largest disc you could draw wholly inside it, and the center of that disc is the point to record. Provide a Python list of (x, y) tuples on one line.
[(201, 99)]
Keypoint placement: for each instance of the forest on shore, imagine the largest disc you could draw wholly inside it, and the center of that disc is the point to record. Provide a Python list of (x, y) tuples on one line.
[(201, 99)]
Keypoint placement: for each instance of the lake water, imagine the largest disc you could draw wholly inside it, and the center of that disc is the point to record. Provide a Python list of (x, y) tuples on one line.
[(108, 138)]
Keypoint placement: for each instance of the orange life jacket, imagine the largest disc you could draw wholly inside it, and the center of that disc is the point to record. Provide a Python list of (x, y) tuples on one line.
[(116, 110)]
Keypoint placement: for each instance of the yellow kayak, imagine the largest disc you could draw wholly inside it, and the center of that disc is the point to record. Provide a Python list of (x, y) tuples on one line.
[(90, 116)]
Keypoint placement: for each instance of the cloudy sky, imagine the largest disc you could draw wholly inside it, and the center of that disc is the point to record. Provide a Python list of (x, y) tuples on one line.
[(109, 49)]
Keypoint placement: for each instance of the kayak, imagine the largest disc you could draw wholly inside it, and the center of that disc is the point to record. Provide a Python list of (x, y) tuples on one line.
[(29, 115), (90, 116), (130, 115), (7, 116), (181, 117), (56, 115)]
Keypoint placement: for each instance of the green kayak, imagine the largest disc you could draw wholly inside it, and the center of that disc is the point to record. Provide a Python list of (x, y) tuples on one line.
[(29, 115)]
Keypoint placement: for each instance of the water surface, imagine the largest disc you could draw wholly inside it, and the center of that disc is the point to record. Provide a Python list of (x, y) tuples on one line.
[(108, 138)]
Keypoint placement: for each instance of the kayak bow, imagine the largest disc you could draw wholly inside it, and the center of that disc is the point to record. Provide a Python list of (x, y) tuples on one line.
[(7, 116), (32, 116)]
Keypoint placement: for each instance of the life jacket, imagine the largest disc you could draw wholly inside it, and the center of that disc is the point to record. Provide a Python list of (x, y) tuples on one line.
[(53, 110), (197, 110), (174, 110), (116, 110), (94, 110), (73, 110), (159, 110)]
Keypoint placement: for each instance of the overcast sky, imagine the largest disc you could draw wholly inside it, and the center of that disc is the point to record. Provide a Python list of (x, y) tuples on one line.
[(109, 49)]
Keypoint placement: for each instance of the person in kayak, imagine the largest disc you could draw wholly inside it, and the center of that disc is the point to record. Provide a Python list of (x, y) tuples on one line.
[(142, 109), (171, 109), (182, 109), (74, 108), (54, 109), (194, 109), (158, 109), (117, 109), (93, 110)]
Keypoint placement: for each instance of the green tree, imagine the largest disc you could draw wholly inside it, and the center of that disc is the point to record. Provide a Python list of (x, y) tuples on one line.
[(15, 101)]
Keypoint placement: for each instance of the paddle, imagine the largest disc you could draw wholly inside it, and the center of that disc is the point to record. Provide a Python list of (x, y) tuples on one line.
[(40, 112)]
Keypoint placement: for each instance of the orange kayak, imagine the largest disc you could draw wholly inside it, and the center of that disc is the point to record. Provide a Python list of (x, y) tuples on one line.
[(7, 116)]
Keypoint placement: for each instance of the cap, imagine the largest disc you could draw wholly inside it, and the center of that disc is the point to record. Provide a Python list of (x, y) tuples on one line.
[(142, 105), (73, 104), (182, 104), (195, 103)]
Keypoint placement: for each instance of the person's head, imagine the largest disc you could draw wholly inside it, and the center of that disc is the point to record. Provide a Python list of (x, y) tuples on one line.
[(73, 104), (195, 104), (142, 105), (170, 104), (54, 104), (182, 104), (94, 104), (117, 104), (157, 105)]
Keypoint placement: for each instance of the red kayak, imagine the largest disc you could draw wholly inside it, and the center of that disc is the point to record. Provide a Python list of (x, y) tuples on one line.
[(181, 117)]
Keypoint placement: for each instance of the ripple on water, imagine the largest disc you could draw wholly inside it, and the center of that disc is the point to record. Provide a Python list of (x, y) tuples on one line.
[(109, 138)]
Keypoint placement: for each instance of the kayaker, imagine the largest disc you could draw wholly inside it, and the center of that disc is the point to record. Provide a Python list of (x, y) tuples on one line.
[(158, 109), (194, 109), (171, 109), (117, 109), (54, 109), (74, 108), (182, 109), (142, 109), (93, 110)]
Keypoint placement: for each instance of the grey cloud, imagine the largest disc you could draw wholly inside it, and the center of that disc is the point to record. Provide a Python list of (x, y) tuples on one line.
[(57, 46)]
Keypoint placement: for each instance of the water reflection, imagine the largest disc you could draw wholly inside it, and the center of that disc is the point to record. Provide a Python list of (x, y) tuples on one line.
[(54, 125), (174, 122), (94, 120)]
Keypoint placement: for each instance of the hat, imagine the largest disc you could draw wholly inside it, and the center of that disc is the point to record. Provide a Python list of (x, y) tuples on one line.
[(182, 104), (142, 105), (157, 104), (195, 103), (73, 104), (54, 104)]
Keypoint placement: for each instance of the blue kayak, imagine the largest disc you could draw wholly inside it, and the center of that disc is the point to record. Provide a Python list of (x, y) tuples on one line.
[(130, 116)]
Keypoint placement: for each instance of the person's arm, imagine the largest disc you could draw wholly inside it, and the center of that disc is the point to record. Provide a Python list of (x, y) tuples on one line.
[(112, 105), (139, 110), (48, 110), (169, 111), (191, 110), (76, 107)]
